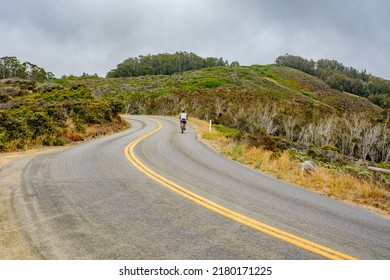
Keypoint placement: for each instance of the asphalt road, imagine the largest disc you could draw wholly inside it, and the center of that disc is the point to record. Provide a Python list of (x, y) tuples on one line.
[(91, 202)]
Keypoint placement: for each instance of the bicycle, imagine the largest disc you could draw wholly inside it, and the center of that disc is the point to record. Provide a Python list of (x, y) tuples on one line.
[(183, 125), (183, 120)]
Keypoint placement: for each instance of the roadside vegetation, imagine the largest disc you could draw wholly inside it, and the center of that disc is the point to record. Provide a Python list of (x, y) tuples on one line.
[(50, 112), (347, 182)]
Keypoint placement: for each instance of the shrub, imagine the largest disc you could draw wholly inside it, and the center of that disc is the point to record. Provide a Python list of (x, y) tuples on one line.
[(40, 124), (3, 139), (330, 148), (227, 131)]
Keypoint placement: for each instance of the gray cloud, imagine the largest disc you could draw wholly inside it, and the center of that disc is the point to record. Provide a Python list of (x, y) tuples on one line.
[(76, 36)]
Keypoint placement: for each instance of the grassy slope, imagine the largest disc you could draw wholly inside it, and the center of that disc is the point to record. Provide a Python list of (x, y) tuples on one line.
[(290, 88), (319, 90)]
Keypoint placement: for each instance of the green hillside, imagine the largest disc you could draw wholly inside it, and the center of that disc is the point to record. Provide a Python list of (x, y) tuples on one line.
[(272, 106), (342, 78), (276, 107), (319, 90), (52, 113)]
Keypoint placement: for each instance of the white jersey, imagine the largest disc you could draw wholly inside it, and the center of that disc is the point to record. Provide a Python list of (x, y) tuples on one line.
[(183, 116)]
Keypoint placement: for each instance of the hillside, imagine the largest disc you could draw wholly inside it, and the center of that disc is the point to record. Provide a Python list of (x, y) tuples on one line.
[(276, 107), (51, 114), (342, 78), (256, 83), (319, 90)]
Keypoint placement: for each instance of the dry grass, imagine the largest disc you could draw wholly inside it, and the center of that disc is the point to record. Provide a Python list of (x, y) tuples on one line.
[(211, 137), (331, 183)]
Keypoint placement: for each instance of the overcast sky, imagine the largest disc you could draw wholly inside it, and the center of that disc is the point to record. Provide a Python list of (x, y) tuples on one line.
[(93, 36)]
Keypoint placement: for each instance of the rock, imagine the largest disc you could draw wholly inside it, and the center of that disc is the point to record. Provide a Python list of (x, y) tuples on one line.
[(308, 167)]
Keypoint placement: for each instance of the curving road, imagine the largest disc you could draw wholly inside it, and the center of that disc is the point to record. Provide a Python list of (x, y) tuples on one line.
[(91, 202)]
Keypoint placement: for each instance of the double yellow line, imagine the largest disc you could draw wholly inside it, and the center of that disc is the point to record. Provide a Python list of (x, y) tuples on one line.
[(283, 235)]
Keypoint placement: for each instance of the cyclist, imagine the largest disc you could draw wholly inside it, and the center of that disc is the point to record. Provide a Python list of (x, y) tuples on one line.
[(183, 120)]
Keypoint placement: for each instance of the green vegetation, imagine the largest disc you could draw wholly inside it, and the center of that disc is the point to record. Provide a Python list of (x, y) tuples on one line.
[(336, 176), (11, 67), (269, 116), (49, 113), (228, 132), (342, 78), (276, 107), (164, 64)]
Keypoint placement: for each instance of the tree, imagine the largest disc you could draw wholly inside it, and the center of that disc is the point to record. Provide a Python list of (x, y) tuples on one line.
[(163, 64), (10, 67), (296, 62), (342, 78), (370, 137), (34, 72), (290, 124), (234, 64)]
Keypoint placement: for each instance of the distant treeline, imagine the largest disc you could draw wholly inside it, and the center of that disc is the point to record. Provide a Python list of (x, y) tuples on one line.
[(343, 78), (164, 64), (11, 67)]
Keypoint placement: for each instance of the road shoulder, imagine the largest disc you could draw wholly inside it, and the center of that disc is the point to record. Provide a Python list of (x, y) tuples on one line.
[(13, 244)]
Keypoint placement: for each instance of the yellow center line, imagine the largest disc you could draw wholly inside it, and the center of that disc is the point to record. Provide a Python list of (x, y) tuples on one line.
[(283, 235)]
